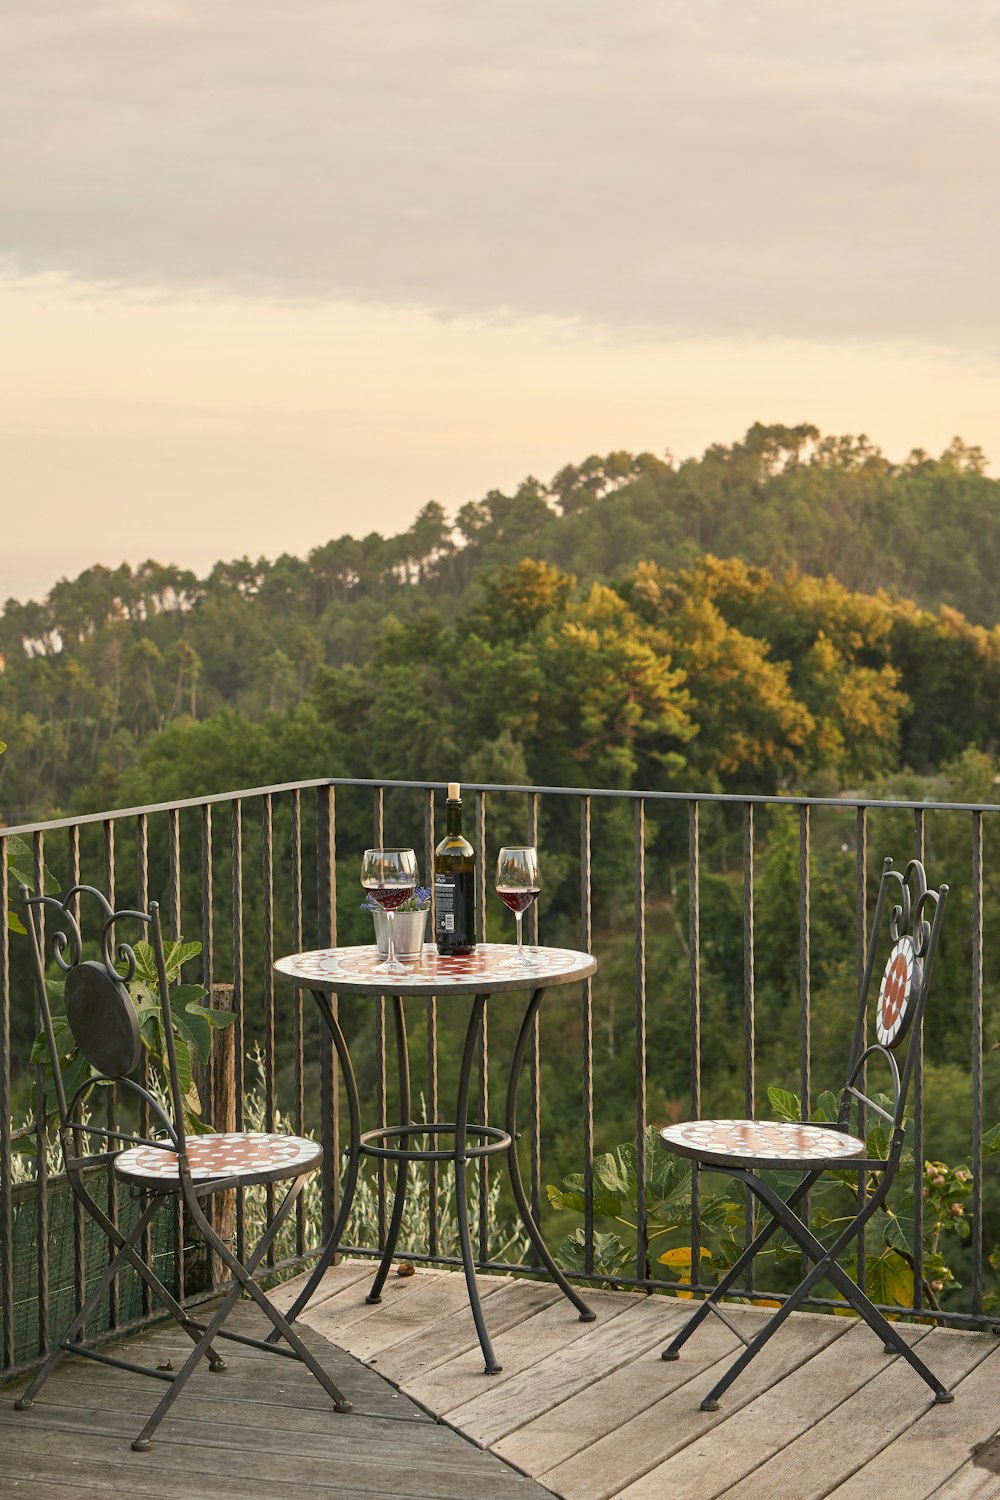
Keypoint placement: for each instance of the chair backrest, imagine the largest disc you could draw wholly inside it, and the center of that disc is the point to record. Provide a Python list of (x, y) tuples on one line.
[(914, 915), (99, 1009)]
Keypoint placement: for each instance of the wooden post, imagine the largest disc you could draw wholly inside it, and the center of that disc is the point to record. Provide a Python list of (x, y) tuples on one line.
[(222, 1206)]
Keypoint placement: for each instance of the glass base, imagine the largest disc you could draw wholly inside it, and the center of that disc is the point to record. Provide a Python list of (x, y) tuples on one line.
[(525, 964), (392, 966)]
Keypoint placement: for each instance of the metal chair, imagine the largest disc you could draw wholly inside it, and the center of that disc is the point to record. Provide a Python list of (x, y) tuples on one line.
[(740, 1148), (104, 1024)]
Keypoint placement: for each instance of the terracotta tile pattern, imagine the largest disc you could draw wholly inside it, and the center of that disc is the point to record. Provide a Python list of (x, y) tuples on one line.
[(483, 967), (763, 1139), (896, 993), (239, 1154)]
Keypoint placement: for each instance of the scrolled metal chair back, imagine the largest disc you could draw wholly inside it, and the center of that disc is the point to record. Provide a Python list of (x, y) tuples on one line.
[(914, 913), (99, 1009)]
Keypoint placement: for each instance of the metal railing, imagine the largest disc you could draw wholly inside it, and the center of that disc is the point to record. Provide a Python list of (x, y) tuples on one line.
[(254, 873)]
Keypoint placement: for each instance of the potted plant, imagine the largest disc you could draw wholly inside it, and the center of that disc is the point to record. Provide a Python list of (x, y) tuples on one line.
[(411, 924)]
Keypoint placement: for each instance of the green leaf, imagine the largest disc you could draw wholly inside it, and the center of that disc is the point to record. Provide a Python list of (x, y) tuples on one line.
[(14, 923), (827, 1106), (606, 1205), (991, 1141), (785, 1105), (175, 954), (889, 1279), (21, 865)]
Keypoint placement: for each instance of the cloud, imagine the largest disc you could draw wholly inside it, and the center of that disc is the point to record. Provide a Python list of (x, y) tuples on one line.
[(683, 167)]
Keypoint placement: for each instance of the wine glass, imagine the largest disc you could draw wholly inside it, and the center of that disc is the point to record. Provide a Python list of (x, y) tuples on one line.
[(517, 886), (389, 876)]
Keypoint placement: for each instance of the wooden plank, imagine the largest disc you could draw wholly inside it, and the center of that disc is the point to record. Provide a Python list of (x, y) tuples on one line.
[(939, 1442), (451, 1385), (625, 1455), (970, 1482), (56, 1477), (447, 1470), (429, 1301), (347, 1306), (608, 1404), (645, 1323), (851, 1436), (337, 1279), (712, 1465), (512, 1302), (225, 1402)]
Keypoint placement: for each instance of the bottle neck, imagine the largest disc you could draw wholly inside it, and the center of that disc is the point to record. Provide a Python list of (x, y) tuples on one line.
[(454, 812)]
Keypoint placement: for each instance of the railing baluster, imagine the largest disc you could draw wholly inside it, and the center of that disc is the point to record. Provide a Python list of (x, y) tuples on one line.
[(6, 1175), (641, 1269), (976, 1062), (694, 990), (79, 1226), (587, 1032), (329, 1079), (749, 991), (207, 927), (483, 1175), (805, 977), (381, 1102), (534, 1052), (918, 1119), (142, 901), (861, 924), (239, 1024), (267, 978), (174, 872), (41, 1135), (298, 1053), (174, 906), (114, 1300), (432, 1039)]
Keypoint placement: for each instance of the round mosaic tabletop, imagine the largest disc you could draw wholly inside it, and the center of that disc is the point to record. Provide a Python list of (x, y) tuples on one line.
[(354, 971), (761, 1143)]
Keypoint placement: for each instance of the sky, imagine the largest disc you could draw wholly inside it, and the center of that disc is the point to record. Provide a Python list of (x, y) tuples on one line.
[(278, 270)]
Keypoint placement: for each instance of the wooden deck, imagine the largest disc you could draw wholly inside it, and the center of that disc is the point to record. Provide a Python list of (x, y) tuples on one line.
[(588, 1411)]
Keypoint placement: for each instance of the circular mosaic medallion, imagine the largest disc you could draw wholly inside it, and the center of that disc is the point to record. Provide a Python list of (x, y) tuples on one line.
[(899, 983), (235, 1154), (761, 1142)]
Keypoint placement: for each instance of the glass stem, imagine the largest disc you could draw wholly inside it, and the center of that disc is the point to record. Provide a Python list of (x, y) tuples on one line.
[(390, 919), (520, 952)]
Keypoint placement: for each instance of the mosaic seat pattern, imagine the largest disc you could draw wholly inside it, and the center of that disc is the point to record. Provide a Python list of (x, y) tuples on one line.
[(245, 1155), (760, 1142)]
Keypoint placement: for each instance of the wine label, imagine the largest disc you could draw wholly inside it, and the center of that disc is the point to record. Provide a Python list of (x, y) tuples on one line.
[(455, 911)]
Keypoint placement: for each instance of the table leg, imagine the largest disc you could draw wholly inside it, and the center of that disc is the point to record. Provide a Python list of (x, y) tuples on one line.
[(461, 1162), (403, 1169), (329, 1250), (510, 1124)]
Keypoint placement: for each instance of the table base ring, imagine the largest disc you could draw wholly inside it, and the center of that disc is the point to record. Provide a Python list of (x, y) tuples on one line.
[(497, 1141)]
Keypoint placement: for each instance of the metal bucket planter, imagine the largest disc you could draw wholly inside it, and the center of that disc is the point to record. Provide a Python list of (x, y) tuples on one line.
[(408, 933)]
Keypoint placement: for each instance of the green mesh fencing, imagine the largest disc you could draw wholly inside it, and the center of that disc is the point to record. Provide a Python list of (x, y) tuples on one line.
[(62, 1263)]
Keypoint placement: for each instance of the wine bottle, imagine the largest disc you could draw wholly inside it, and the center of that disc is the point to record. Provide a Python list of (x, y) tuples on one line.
[(455, 884)]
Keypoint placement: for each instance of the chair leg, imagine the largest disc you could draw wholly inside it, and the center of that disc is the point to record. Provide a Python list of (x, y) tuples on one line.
[(890, 1336), (753, 1348), (701, 1312)]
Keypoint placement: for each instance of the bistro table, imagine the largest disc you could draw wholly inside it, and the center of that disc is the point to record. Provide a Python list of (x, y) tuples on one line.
[(354, 971)]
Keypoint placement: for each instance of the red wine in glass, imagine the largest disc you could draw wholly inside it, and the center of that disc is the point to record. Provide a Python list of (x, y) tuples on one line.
[(517, 885), (389, 897), (389, 876), (517, 898)]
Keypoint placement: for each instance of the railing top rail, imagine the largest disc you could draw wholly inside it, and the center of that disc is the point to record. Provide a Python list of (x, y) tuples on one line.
[(736, 798)]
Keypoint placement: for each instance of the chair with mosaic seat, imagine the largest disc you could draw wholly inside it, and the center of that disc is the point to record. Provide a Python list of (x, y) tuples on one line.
[(742, 1148), (159, 1168)]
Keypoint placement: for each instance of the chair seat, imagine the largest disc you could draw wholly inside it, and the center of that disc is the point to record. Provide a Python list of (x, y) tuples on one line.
[(252, 1156), (761, 1143)]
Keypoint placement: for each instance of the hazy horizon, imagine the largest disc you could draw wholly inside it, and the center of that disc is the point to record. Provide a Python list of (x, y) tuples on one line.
[(271, 278)]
